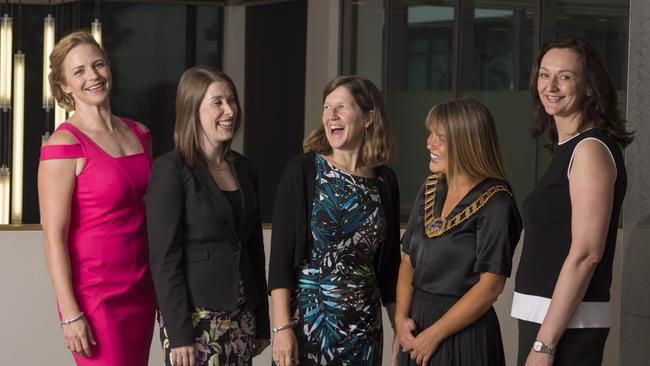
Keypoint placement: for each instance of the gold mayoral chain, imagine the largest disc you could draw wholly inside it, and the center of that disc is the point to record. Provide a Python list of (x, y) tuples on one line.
[(436, 226)]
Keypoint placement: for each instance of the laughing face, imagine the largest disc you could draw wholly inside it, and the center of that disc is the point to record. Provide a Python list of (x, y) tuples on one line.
[(437, 146), (218, 113), (560, 83), (343, 120), (86, 75)]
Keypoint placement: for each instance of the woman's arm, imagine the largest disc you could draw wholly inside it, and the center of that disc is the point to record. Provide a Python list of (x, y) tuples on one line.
[(285, 346), (404, 325), (164, 202), (464, 312), (56, 183), (258, 259), (591, 187)]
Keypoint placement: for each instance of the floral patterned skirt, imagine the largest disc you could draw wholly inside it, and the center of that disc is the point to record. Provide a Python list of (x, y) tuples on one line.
[(222, 338)]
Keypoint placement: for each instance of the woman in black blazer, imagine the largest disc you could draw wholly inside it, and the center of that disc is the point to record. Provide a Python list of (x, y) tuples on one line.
[(205, 236)]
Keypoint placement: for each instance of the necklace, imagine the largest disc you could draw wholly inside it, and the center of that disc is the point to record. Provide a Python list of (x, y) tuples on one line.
[(436, 226), (216, 167)]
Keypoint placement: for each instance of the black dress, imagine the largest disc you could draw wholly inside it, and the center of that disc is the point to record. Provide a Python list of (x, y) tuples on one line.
[(448, 264)]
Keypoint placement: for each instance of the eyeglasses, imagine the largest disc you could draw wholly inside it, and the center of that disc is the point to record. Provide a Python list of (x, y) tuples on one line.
[(338, 109)]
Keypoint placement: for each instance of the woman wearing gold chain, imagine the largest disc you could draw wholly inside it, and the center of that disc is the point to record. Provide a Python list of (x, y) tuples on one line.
[(458, 244)]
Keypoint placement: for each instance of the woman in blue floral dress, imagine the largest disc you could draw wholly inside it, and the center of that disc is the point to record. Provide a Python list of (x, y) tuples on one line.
[(335, 242)]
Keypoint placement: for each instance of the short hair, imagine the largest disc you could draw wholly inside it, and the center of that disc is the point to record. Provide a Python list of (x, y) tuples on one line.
[(191, 90), (378, 147), (57, 57), (600, 109), (470, 136)]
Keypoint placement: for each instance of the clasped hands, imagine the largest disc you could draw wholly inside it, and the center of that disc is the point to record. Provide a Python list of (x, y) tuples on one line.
[(420, 347)]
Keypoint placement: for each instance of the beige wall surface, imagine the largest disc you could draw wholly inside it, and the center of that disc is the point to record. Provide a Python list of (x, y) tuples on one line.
[(30, 333)]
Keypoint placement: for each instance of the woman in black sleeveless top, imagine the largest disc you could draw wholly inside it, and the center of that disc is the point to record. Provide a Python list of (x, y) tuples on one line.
[(562, 286)]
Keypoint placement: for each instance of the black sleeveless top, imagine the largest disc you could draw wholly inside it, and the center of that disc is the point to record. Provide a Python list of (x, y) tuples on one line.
[(547, 223)]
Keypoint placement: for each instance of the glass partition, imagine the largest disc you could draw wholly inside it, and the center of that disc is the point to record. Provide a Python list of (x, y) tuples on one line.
[(433, 50)]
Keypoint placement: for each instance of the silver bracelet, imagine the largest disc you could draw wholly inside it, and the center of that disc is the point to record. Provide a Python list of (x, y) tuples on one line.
[(282, 327), (73, 319)]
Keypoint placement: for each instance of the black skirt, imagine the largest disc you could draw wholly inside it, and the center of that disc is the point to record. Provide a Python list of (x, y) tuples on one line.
[(478, 344)]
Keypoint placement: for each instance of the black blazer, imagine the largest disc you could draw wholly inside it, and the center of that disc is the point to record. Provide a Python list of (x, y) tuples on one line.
[(291, 235), (196, 249)]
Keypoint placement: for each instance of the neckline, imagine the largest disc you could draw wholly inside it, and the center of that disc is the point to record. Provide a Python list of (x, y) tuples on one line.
[(574, 136), (440, 199), (102, 149), (334, 167)]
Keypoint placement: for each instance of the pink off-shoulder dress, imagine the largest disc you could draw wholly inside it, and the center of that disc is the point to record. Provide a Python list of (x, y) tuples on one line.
[(107, 245)]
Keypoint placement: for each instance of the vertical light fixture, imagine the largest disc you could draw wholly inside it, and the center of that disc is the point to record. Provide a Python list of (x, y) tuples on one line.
[(60, 115), (6, 39), (96, 29), (4, 194), (6, 49), (18, 139), (48, 45)]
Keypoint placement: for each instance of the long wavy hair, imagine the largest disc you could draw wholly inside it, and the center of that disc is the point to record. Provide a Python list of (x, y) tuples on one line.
[(599, 110), (378, 147)]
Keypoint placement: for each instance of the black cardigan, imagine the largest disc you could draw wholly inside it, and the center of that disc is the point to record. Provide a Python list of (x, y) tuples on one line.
[(291, 234)]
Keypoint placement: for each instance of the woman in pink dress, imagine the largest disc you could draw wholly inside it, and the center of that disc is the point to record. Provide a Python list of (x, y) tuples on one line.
[(91, 179)]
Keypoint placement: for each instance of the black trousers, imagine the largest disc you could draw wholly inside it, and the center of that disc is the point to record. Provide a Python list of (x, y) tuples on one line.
[(577, 347)]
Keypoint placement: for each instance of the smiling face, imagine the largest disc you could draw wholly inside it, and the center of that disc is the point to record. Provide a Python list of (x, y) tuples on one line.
[(343, 120), (437, 146), (218, 113), (86, 75), (560, 83)]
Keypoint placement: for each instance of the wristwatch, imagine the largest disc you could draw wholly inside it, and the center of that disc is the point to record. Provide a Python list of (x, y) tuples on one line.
[(540, 347)]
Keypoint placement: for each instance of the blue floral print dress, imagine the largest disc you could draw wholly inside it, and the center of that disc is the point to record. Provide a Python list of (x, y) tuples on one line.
[(337, 303)]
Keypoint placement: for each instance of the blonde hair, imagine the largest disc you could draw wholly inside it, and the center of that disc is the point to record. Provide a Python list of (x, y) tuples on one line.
[(58, 55), (378, 146), (191, 90), (471, 138)]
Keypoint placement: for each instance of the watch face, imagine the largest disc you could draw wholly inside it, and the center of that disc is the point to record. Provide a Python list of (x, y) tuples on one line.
[(537, 346)]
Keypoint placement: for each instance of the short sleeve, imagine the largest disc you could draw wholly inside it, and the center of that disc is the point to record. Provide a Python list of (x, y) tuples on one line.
[(412, 225), (497, 235), (50, 152)]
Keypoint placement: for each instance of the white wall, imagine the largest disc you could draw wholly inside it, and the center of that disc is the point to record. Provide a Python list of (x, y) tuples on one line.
[(30, 333)]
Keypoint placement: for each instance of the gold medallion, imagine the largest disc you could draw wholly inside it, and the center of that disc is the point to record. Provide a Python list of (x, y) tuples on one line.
[(436, 226)]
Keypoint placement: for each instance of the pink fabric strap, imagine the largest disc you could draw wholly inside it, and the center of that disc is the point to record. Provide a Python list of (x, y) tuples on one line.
[(143, 136), (49, 152)]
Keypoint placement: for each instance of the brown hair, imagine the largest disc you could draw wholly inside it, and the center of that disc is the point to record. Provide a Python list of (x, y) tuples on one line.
[(58, 55), (190, 93), (378, 147), (600, 109), (471, 138)]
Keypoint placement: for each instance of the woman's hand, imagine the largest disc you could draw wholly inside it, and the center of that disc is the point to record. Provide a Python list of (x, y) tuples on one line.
[(424, 345), (395, 354), (78, 337), (285, 348), (404, 328), (539, 359), (183, 356), (259, 345)]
